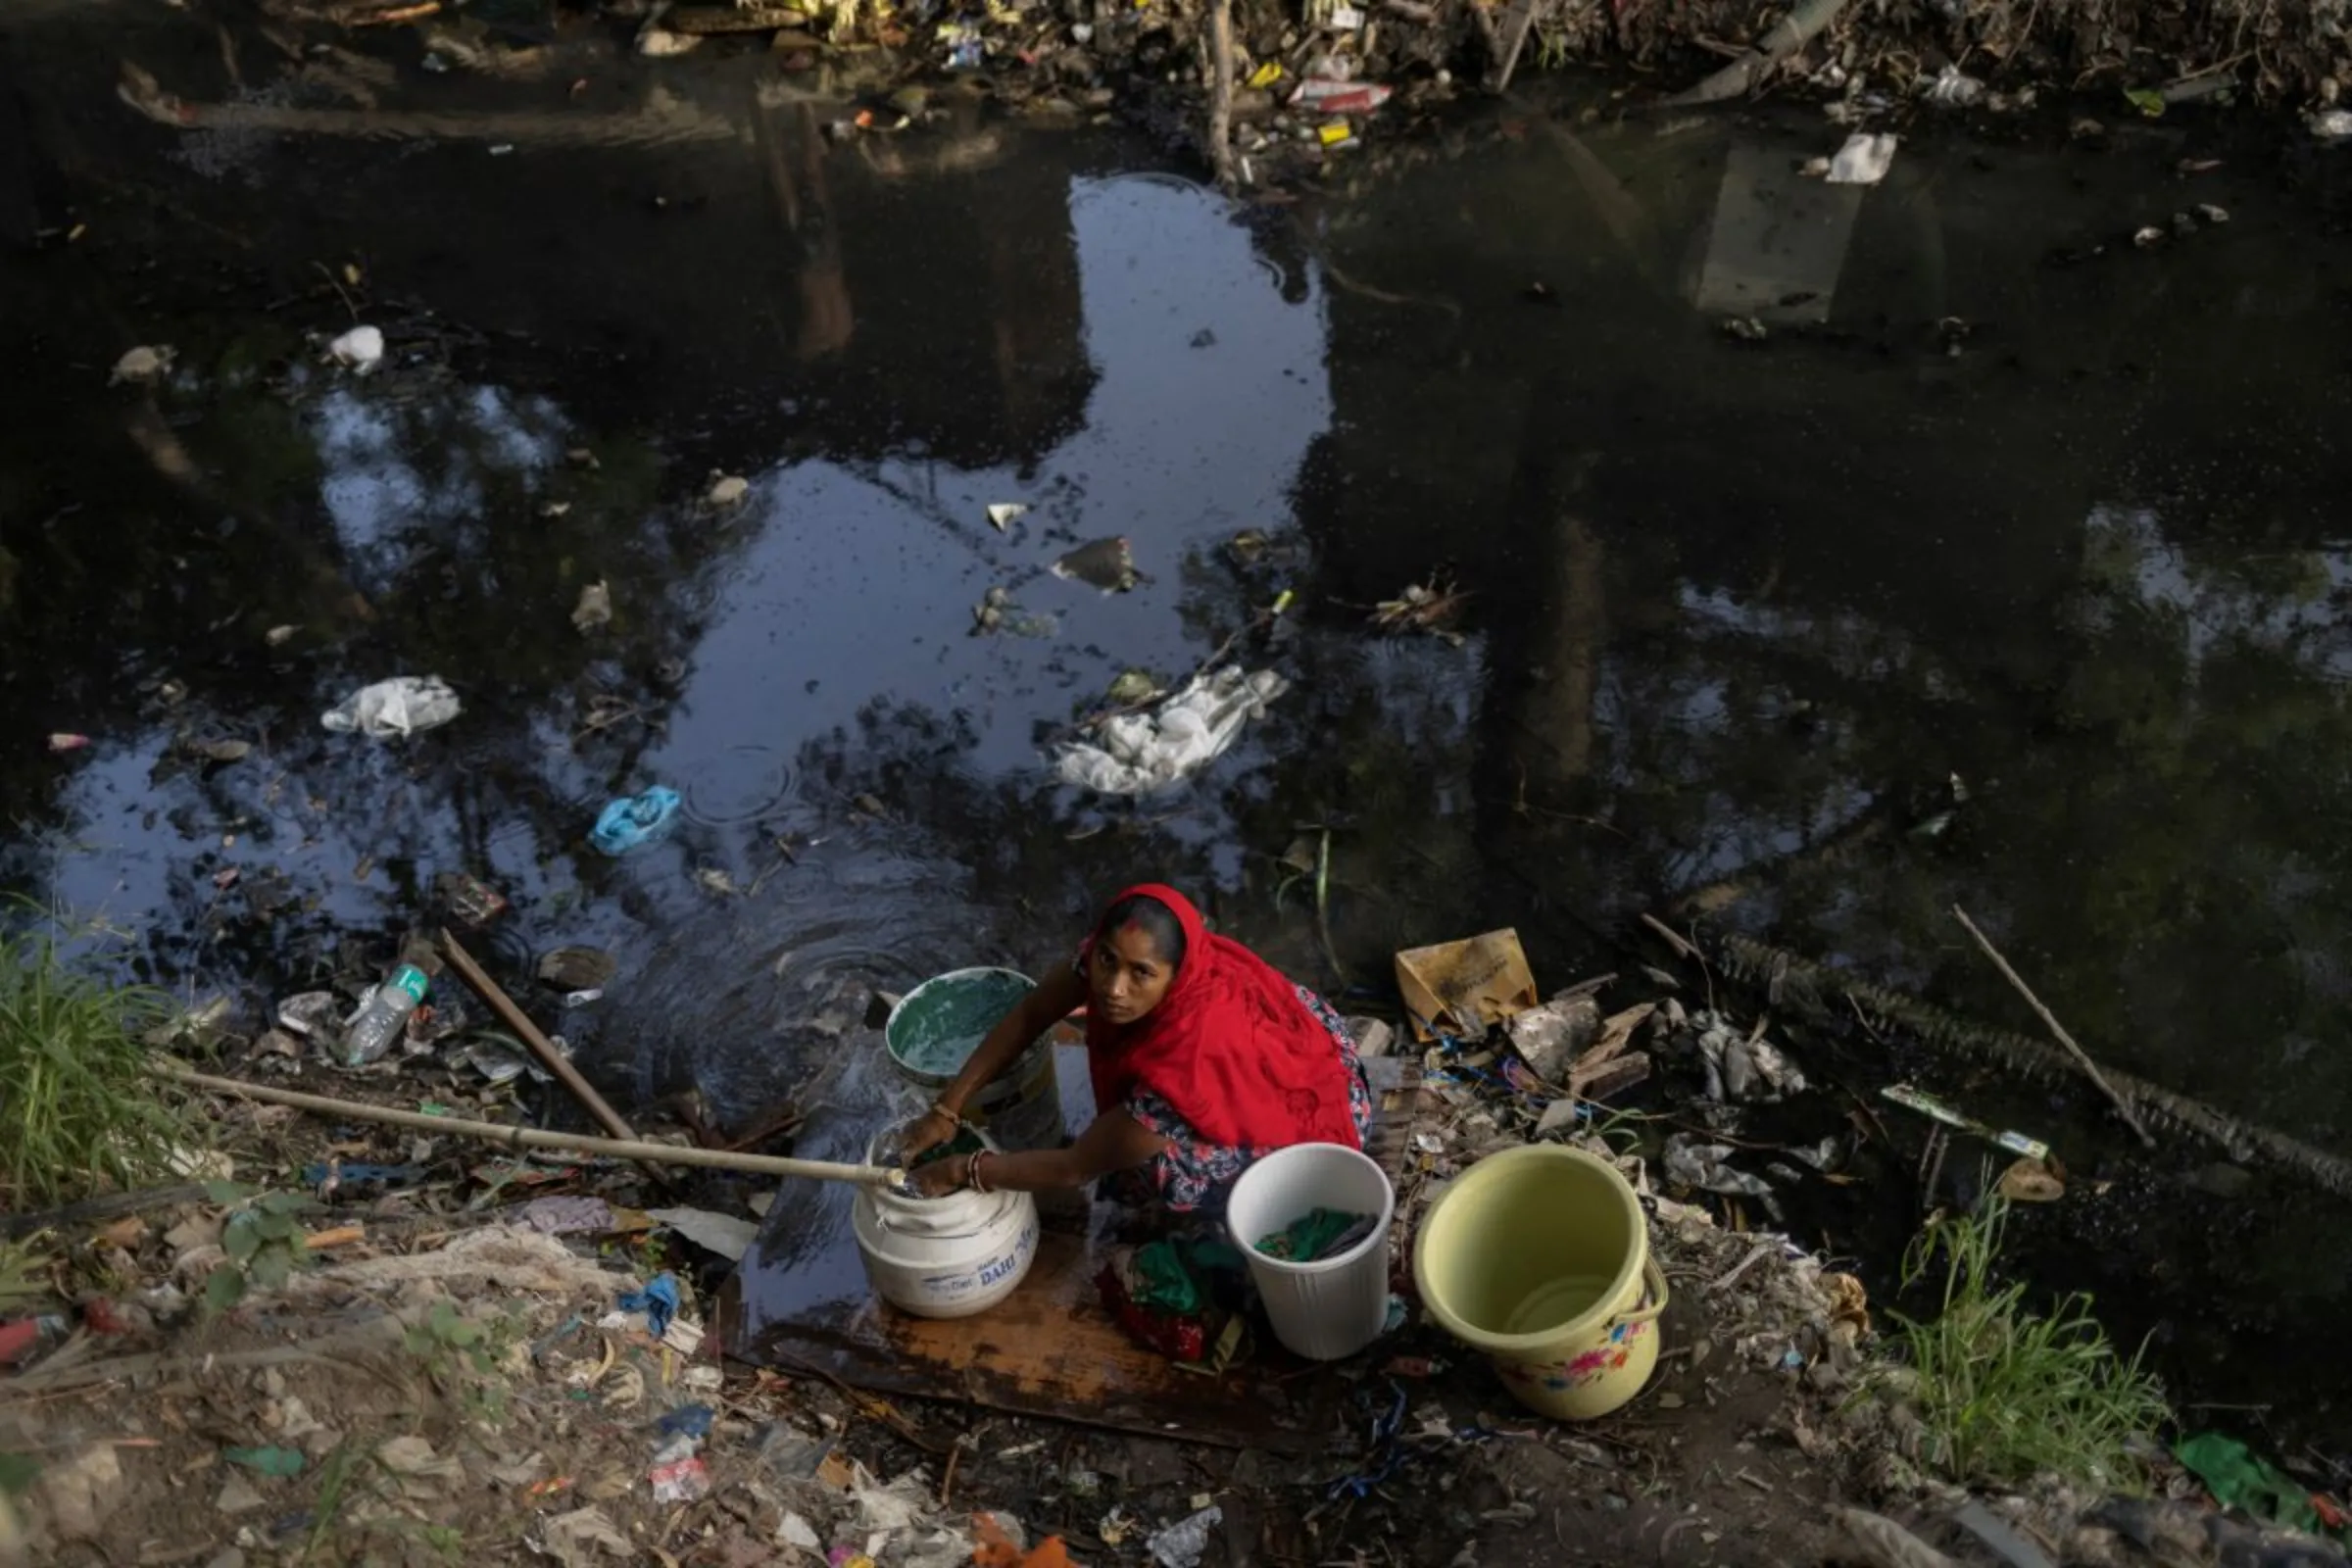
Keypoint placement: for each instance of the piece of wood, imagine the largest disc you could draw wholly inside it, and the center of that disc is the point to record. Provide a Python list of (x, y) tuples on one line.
[(529, 1033), (1221, 95), (340, 1236), (2090, 1068), (531, 1137)]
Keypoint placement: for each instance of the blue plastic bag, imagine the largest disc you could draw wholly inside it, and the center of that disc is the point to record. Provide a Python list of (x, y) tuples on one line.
[(635, 819), (659, 1302)]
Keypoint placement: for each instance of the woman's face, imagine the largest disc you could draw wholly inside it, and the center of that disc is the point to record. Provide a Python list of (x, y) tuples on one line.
[(1126, 975)]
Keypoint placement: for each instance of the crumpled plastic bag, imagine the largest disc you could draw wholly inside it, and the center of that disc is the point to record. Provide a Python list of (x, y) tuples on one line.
[(1141, 752), (1742, 1068), (635, 819), (402, 705), (1692, 1163)]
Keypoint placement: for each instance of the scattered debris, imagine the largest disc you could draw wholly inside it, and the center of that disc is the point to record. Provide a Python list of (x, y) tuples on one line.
[(360, 349), (1004, 513), (143, 366), (1864, 160), (1103, 563), (726, 489), (406, 705), (997, 612), (1462, 989), (63, 742), (1138, 754), (1425, 608), (2032, 1181), (635, 820), (594, 612)]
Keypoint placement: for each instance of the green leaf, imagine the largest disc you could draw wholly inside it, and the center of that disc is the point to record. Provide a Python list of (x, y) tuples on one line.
[(271, 1267), (242, 1239), (283, 1464), (227, 1192), (224, 1289), (273, 1227), (2147, 100), (18, 1471), (281, 1202)]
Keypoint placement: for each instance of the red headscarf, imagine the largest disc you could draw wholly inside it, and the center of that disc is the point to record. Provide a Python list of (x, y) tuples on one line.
[(1230, 1046)]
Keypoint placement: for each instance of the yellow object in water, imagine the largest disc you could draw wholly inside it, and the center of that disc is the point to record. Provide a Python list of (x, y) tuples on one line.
[(1337, 131), (1540, 1257), (1267, 75)]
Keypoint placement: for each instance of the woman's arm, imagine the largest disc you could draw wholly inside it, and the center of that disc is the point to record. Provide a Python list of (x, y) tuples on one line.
[(1051, 1000), (1113, 1140)]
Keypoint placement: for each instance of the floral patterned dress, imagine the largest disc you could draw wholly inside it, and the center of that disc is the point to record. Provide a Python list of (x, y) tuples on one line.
[(1194, 1175)]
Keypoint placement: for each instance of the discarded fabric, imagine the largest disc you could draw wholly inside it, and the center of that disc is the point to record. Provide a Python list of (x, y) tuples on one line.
[(1138, 754), (567, 1215), (1318, 1234), (361, 349), (687, 1420), (635, 819), (680, 1479), (659, 1302), (403, 706), (1863, 161), (1182, 1544)]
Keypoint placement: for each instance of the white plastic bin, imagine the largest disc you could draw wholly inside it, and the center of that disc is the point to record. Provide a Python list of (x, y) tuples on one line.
[(1333, 1306)]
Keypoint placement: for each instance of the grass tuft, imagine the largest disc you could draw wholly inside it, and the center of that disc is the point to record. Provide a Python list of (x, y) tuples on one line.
[(2007, 1393), (78, 1110)]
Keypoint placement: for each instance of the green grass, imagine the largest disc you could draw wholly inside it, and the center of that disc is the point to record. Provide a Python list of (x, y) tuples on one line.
[(78, 1110), (2007, 1393)]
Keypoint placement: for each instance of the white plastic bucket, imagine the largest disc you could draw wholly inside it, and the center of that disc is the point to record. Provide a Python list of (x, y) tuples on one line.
[(1333, 1306), (947, 1256)]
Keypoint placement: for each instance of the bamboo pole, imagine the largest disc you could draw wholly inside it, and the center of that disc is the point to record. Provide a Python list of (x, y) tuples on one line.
[(820, 1170), (2082, 1057), (544, 1049)]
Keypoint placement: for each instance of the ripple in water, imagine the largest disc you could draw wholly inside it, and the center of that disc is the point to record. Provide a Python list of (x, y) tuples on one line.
[(740, 784)]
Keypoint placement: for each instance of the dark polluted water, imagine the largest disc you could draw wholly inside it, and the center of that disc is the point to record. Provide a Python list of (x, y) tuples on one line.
[(2007, 570)]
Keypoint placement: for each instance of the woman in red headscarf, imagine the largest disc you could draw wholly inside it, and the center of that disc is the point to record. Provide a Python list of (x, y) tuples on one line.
[(1204, 1056)]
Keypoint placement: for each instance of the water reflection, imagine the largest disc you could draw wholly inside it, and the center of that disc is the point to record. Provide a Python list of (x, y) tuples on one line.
[(1739, 613)]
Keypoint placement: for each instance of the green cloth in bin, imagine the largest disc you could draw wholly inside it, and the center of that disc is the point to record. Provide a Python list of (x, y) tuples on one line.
[(1309, 1236)]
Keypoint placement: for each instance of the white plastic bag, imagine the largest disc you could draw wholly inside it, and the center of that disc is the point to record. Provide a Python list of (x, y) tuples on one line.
[(1137, 754), (402, 705)]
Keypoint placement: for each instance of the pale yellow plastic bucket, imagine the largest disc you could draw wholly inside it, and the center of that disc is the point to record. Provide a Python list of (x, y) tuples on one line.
[(1540, 1257)]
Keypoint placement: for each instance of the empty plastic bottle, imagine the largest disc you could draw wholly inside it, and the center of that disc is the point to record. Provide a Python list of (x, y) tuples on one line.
[(385, 1017)]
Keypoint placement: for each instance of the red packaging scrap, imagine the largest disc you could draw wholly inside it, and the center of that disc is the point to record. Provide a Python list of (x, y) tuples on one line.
[(1330, 96)]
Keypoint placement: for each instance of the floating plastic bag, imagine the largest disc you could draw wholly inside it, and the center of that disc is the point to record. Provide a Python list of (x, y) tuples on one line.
[(635, 819), (1139, 753), (402, 705)]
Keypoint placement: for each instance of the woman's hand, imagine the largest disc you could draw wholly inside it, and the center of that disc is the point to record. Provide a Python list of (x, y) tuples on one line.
[(939, 1178), (928, 1131)]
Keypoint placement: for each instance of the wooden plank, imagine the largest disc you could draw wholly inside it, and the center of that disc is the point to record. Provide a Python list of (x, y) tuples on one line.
[(1050, 1349)]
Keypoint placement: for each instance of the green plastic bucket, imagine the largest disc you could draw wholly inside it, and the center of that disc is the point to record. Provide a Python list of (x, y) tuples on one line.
[(940, 1023)]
